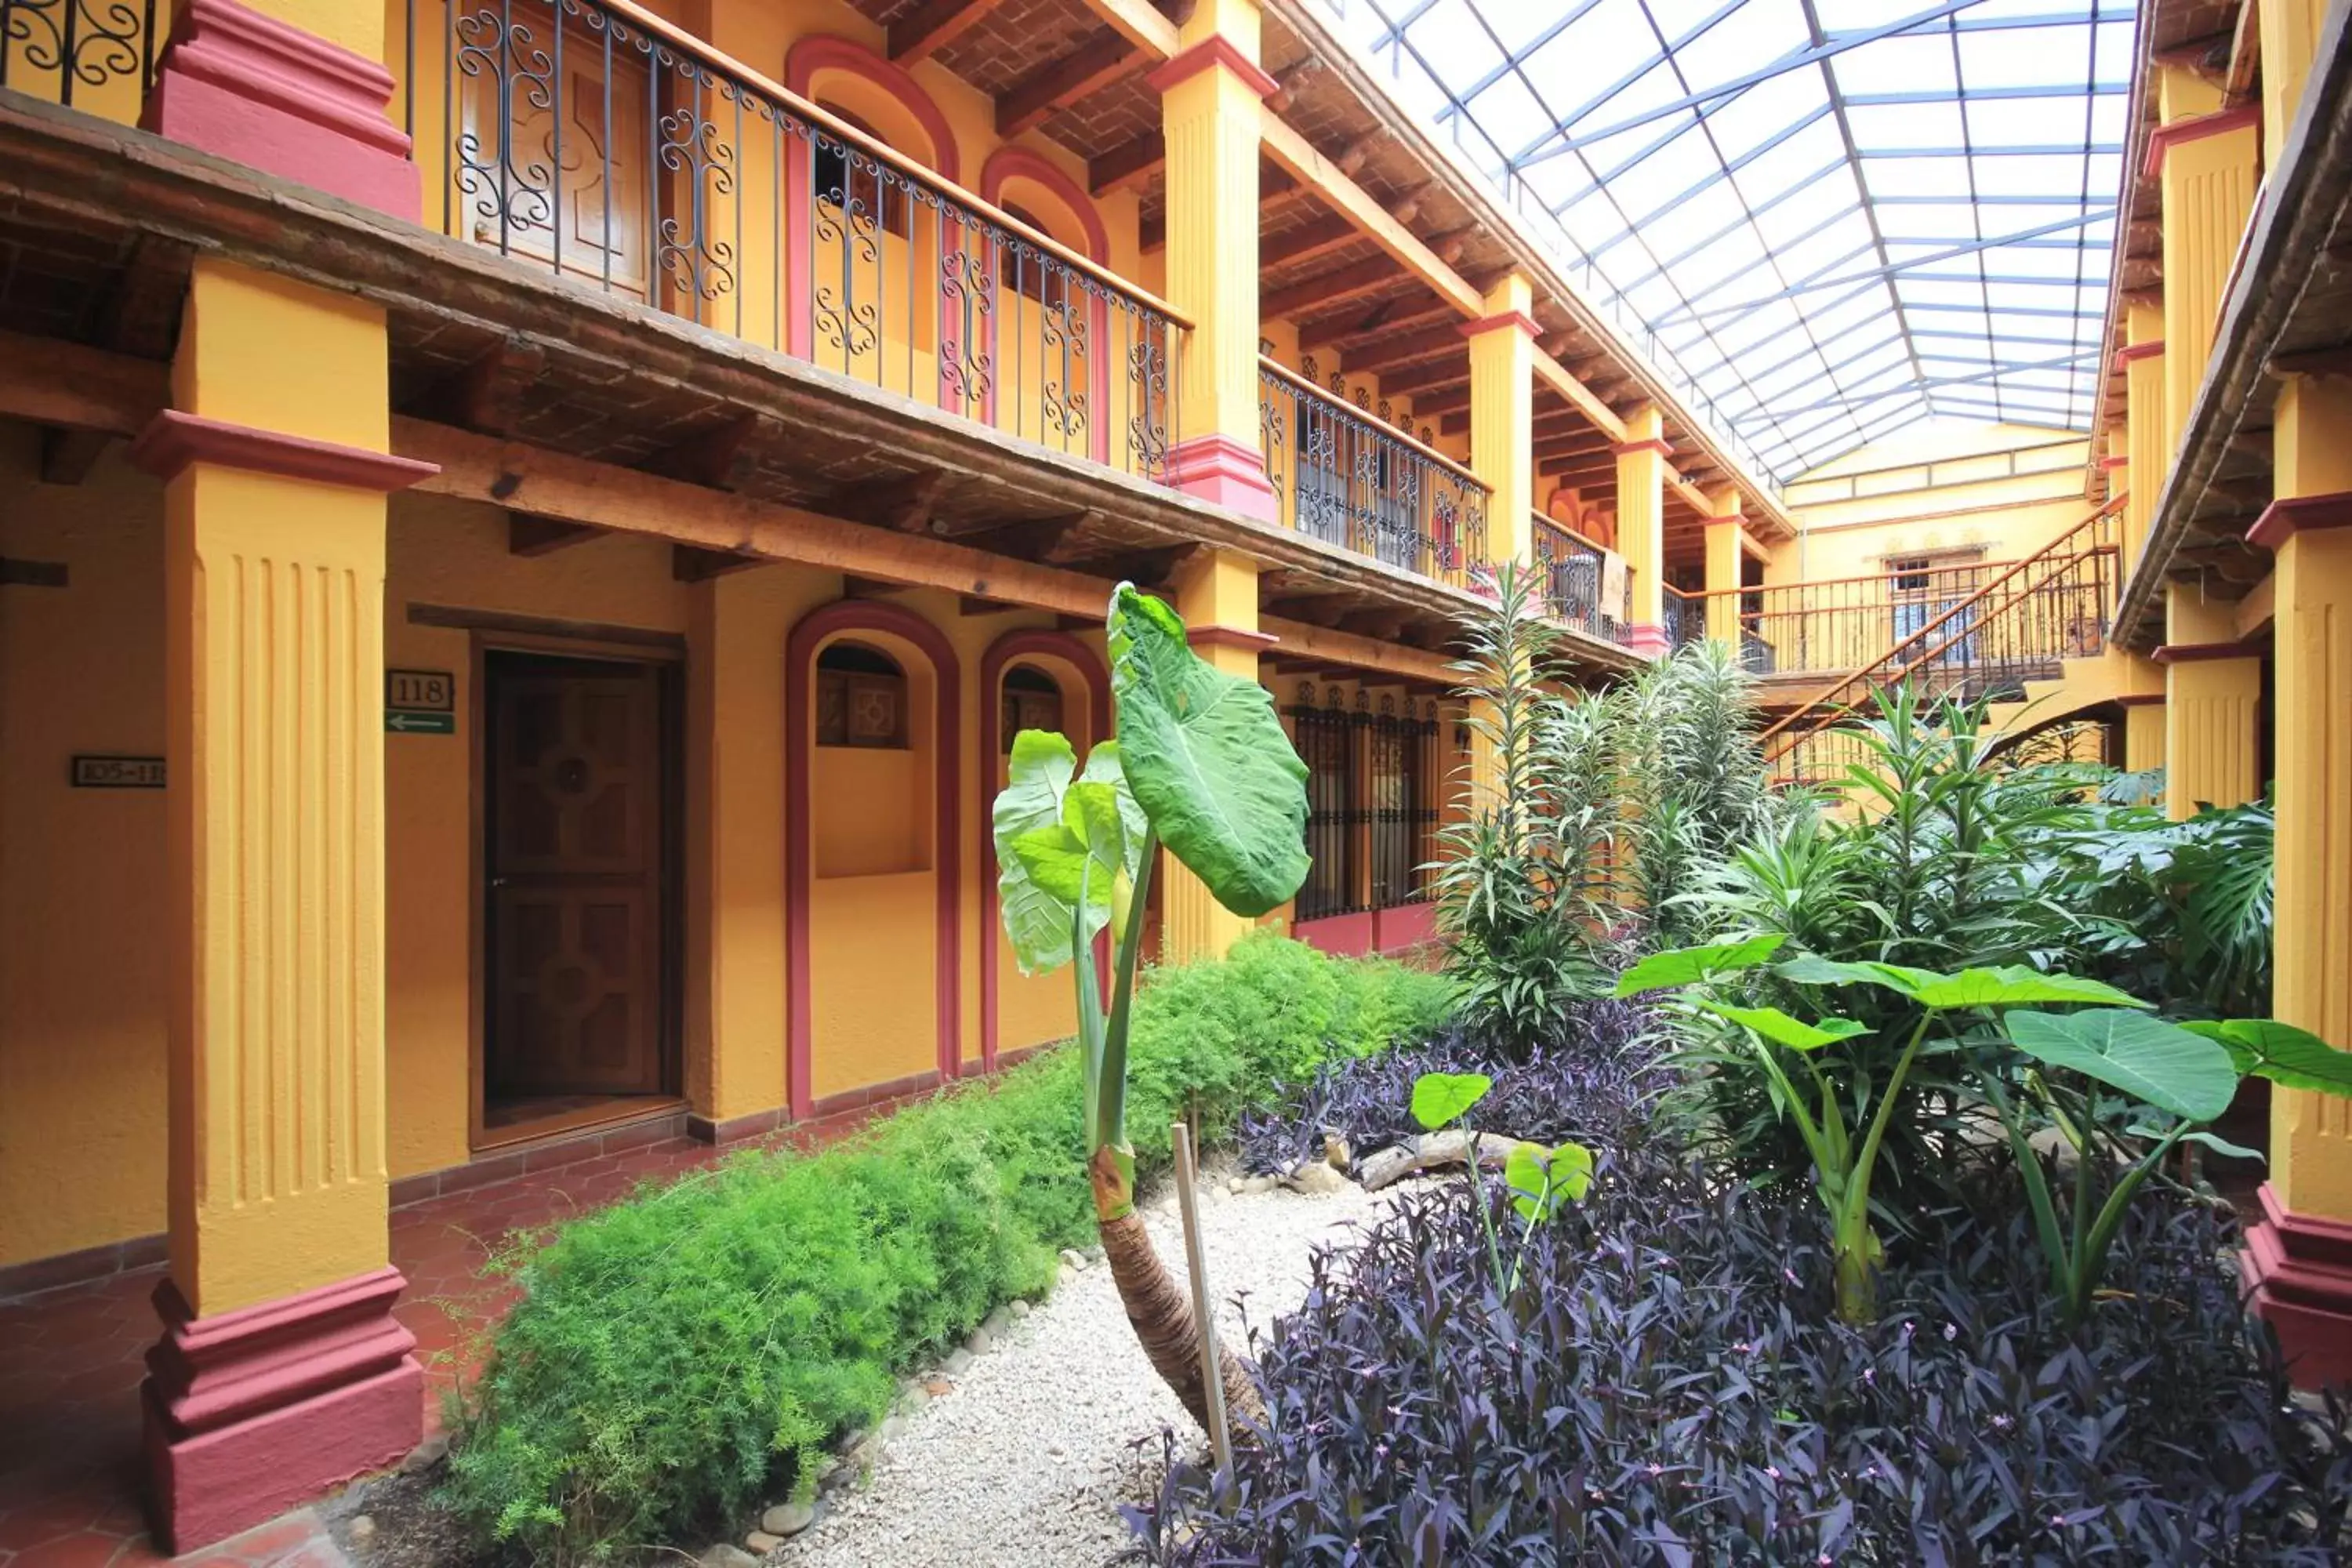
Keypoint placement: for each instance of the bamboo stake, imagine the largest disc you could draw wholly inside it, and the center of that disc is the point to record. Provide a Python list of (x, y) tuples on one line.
[(1196, 1266)]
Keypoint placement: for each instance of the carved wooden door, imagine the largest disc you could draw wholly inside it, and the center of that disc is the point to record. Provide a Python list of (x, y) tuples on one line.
[(576, 867)]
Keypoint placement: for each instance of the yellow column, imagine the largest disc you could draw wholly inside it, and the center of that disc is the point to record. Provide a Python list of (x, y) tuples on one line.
[(2212, 706), (2296, 1256), (2206, 159), (1212, 94), (1216, 593), (1725, 544), (2290, 33), (1503, 417), (2143, 735), (2146, 432), (1641, 524), (274, 455)]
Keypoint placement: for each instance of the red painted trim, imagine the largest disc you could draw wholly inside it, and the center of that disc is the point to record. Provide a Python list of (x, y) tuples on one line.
[(1214, 50), (2290, 515), (1647, 641), (1401, 928), (2111, 462), (1224, 472), (818, 627), (251, 1412), (809, 55), (248, 86), (2204, 652), (1230, 636), (1001, 656), (2165, 137), (2130, 353), (2299, 1270), (172, 440), (1518, 319), (804, 62), (1341, 936), (1025, 163), (1627, 448), (877, 1096)]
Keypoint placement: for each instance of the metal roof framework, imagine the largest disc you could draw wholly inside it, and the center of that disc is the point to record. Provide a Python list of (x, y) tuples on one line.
[(1821, 219)]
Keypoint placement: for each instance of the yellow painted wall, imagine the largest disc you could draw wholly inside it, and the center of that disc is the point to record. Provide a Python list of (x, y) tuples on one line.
[(82, 941)]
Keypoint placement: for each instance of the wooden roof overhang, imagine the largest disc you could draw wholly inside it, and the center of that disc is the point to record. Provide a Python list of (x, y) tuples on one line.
[(562, 403), (2288, 312)]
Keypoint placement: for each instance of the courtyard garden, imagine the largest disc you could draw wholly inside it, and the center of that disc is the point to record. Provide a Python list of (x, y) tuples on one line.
[(1749, 1177)]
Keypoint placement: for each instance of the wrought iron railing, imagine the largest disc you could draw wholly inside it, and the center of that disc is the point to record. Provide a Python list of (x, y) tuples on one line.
[(2021, 624), (1371, 800), (595, 141), (1576, 590), (1683, 616), (1342, 476), (1843, 623), (97, 56)]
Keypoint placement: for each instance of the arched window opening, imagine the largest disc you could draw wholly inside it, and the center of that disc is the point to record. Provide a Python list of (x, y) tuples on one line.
[(1033, 701), (853, 181)]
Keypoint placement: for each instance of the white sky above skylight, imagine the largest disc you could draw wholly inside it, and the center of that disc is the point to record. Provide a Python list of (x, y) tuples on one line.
[(1824, 219)]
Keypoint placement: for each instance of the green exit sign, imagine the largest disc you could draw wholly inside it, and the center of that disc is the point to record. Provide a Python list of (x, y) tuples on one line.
[(413, 721)]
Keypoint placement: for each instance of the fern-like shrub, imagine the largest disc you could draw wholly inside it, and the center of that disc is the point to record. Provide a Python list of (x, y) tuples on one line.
[(681, 1355)]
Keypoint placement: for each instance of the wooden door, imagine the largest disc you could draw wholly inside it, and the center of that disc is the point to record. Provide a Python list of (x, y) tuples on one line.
[(575, 862)]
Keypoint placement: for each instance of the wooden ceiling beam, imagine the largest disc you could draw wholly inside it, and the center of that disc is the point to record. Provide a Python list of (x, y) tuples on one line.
[(1308, 239), (1404, 348), (528, 535), (1325, 287), (723, 457), (1388, 316), (692, 563), (932, 27), (902, 502), (1086, 69), (1129, 163)]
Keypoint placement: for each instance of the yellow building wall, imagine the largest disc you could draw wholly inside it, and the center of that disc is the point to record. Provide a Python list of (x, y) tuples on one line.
[(82, 911)]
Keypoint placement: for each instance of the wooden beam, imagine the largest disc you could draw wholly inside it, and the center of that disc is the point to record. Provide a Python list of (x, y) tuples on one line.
[(899, 501), (1445, 373), (47, 381), (1351, 200), (69, 455), (1129, 163), (1391, 316), (140, 313), (933, 25), (969, 604), (1091, 67), (692, 563), (576, 489), (854, 587), (1384, 626), (2336, 361), (1312, 238), (1354, 651), (1146, 568), (491, 393), (1404, 348), (528, 535), (1440, 400), (1044, 539), (1579, 396), (1326, 288), (1140, 23), (722, 457)]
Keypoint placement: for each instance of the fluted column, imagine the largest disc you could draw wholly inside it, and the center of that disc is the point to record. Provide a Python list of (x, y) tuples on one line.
[(1503, 416), (1216, 592), (2212, 705), (2300, 1258), (2206, 158), (1725, 545), (2147, 433), (2290, 35), (281, 1370), (1641, 525), (1211, 95)]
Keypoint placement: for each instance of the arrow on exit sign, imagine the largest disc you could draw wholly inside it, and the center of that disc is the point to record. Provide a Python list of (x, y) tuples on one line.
[(411, 721)]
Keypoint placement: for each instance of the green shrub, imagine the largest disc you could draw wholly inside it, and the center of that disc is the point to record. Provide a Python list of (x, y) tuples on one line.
[(674, 1355)]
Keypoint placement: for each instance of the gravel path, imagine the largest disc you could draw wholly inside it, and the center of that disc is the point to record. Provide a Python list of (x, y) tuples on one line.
[(1025, 1463)]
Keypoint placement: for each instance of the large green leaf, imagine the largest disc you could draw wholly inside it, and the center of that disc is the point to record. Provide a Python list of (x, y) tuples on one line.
[(1783, 1030), (1689, 965), (2158, 1063), (1207, 760), (1806, 969), (2282, 1053), (1441, 1097), (1541, 1180), (2014, 986), (1036, 920)]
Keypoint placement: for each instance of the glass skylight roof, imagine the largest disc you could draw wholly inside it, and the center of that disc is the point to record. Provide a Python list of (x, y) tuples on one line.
[(1822, 219)]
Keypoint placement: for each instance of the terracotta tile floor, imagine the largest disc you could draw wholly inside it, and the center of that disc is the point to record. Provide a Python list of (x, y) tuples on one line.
[(71, 1361)]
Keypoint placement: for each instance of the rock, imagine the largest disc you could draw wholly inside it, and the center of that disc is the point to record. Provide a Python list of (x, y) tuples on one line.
[(1237, 1184), (914, 1399), (426, 1455), (1094, 1252), (1073, 1258), (889, 1430), (759, 1542), (1017, 1309), (997, 1324), (727, 1555), (1316, 1180), (1056, 1450), (787, 1519), (981, 1342), (361, 1530), (959, 1362), (1335, 1150), (936, 1386), (1260, 1184)]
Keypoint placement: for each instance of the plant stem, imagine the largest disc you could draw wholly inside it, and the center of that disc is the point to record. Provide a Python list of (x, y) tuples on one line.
[(1485, 1218), (1110, 1121), (1857, 1298)]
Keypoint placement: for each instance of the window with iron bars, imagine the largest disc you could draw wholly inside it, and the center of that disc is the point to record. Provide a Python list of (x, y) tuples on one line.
[(1372, 817)]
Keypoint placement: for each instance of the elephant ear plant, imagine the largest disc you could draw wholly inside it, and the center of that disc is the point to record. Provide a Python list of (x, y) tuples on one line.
[(1201, 766)]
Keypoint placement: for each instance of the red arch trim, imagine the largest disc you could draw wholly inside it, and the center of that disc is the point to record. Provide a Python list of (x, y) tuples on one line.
[(809, 55), (1001, 654), (947, 721), (1024, 164)]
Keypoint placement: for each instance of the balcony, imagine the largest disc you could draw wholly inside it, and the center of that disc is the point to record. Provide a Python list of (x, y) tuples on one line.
[(1577, 582), (1342, 476), (620, 154)]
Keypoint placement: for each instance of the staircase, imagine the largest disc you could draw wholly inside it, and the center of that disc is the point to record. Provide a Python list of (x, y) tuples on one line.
[(2032, 638)]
